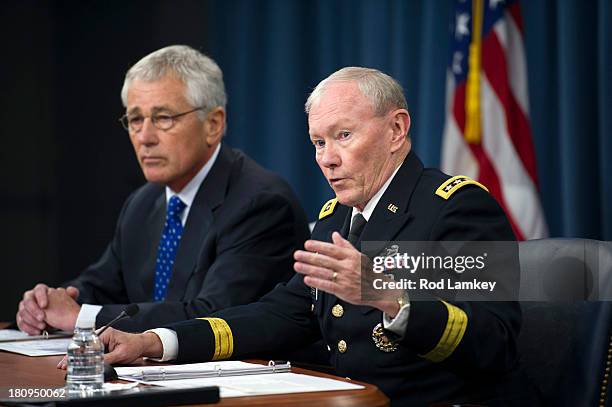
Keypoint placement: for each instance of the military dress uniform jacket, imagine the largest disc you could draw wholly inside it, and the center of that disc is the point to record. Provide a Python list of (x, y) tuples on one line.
[(237, 244), (425, 367)]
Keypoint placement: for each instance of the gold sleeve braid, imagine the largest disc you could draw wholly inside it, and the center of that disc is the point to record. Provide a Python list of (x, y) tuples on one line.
[(453, 333), (224, 340)]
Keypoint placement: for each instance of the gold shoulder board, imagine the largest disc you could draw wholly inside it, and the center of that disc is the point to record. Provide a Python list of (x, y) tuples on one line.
[(328, 208), (451, 185)]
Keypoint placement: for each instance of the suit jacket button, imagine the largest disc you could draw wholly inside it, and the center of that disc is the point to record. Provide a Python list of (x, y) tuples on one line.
[(337, 311), (342, 346)]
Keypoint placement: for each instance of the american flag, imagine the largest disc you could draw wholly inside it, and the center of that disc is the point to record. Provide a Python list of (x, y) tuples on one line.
[(487, 134)]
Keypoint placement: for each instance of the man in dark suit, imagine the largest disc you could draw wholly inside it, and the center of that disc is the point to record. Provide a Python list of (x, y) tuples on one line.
[(417, 352), (211, 228)]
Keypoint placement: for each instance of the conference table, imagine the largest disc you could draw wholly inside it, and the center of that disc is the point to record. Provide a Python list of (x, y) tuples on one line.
[(18, 371)]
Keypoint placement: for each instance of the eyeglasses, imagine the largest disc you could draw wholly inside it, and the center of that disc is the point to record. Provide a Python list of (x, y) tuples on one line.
[(161, 121)]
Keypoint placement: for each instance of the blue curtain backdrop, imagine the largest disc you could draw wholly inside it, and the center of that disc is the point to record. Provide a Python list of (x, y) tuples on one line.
[(274, 52)]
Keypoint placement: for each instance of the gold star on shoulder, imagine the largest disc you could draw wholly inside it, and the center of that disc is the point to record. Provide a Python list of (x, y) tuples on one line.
[(451, 185)]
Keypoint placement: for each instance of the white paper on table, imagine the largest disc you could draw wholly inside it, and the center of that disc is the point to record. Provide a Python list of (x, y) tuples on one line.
[(118, 386), (248, 385), (41, 347), (11, 334), (259, 385)]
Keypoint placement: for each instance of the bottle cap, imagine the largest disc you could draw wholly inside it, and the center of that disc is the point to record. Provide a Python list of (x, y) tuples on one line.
[(87, 316)]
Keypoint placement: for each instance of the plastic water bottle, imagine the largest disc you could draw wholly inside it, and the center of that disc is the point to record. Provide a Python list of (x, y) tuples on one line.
[(85, 361)]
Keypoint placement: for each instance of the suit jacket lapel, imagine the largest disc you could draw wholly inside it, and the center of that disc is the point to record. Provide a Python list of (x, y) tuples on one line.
[(335, 223), (391, 213), (209, 197), (338, 222), (346, 227), (151, 235)]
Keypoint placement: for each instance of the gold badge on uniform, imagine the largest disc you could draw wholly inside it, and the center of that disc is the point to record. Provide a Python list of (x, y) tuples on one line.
[(328, 208), (337, 311), (451, 185), (381, 340), (392, 208)]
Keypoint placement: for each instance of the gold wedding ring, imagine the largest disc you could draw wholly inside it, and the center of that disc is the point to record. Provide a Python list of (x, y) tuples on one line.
[(333, 279)]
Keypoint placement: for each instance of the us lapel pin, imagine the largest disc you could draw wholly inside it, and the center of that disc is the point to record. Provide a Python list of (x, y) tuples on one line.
[(392, 208)]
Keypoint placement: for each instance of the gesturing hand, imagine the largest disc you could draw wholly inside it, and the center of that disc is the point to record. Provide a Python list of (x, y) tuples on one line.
[(340, 269), (332, 267)]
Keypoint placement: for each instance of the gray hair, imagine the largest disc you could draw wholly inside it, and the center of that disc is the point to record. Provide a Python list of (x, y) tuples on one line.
[(384, 92), (201, 75)]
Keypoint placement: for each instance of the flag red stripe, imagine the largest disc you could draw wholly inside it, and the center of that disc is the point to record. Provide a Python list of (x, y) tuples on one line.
[(488, 177), (495, 68), (487, 174), (459, 107), (515, 11)]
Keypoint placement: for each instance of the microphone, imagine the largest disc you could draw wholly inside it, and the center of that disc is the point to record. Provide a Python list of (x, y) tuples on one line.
[(128, 312)]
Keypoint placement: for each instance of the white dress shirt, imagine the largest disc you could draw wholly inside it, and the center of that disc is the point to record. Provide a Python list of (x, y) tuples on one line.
[(187, 195)]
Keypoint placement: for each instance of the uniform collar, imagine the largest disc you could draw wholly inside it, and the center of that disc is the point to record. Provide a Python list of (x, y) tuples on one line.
[(391, 212), (369, 208)]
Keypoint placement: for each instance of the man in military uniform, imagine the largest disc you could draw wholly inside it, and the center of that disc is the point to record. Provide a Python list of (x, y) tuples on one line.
[(416, 352)]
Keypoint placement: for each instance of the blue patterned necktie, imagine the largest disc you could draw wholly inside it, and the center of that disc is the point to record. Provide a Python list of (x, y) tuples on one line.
[(168, 245)]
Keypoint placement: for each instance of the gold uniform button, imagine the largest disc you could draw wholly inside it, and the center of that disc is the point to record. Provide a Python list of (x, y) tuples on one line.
[(337, 311), (342, 346)]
